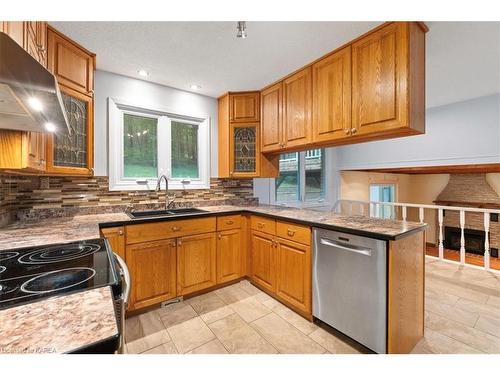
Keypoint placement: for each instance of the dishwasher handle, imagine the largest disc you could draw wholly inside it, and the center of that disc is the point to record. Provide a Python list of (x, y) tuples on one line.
[(338, 245)]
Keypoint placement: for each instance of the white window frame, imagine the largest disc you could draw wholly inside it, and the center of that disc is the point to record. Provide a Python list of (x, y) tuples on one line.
[(326, 200), (117, 108)]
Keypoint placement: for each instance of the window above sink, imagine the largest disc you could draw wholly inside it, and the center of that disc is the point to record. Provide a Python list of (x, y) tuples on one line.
[(145, 143)]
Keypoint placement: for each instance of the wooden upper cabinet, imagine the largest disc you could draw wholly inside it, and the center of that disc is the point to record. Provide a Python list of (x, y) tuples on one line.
[(16, 30), (388, 80), (332, 96), (239, 154), (244, 107), (31, 35), (72, 65), (244, 150), (196, 263), (271, 120), (73, 154), (36, 40), (297, 109), (152, 269)]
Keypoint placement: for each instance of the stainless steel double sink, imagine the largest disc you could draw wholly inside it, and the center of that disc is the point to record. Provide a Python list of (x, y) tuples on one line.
[(163, 213)]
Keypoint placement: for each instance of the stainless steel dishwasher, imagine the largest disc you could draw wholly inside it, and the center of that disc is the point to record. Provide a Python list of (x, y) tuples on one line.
[(349, 286)]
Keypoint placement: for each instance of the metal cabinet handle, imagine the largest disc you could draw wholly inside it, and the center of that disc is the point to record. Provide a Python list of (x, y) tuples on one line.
[(354, 130), (347, 131), (176, 229), (290, 232), (173, 243), (179, 242), (229, 222), (338, 245), (220, 236), (260, 225), (120, 233)]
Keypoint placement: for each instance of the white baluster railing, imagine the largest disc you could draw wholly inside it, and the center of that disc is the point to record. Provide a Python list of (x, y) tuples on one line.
[(378, 209), (462, 237), (440, 223), (487, 240)]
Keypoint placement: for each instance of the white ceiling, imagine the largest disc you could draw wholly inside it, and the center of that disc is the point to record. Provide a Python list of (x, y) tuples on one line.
[(463, 58), (178, 54), (462, 61)]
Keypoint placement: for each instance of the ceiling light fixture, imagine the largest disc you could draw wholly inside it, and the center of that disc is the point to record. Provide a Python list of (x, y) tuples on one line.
[(35, 103), (241, 28), (195, 87), (143, 73), (50, 127)]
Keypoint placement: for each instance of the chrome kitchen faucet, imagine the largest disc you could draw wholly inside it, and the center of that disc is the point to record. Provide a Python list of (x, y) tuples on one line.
[(168, 202)]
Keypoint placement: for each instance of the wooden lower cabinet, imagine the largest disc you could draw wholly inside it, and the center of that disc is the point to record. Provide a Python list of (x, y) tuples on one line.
[(293, 271), (228, 255), (196, 263), (116, 239), (263, 259), (152, 269)]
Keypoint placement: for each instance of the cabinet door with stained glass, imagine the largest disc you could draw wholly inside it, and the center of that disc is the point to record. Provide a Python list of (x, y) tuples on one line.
[(73, 153), (244, 150)]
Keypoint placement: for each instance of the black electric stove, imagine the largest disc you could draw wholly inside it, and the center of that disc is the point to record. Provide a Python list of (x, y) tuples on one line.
[(34, 273)]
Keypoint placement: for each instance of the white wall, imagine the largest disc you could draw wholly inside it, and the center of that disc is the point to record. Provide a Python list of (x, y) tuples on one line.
[(145, 94), (460, 133), (462, 61)]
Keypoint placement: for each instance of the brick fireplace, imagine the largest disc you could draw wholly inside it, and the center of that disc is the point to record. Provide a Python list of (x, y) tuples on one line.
[(469, 190)]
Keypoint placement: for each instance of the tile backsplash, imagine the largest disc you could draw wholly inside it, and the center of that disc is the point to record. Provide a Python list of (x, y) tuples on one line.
[(34, 197)]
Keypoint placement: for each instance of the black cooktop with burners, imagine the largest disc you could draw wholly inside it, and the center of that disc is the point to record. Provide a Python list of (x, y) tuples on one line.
[(33, 273)]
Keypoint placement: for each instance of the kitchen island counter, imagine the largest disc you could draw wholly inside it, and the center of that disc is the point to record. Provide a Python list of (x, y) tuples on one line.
[(61, 324), (86, 227)]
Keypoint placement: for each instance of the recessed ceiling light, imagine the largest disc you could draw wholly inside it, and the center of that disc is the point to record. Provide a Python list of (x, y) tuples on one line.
[(195, 87), (35, 103), (143, 73), (50, 127)]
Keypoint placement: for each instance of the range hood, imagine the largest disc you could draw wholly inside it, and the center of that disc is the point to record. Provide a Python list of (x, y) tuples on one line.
[(30, 99)]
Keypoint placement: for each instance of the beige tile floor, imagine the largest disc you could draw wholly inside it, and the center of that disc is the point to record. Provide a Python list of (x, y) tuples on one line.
[(462, 309), (462, 316), (236, 319)]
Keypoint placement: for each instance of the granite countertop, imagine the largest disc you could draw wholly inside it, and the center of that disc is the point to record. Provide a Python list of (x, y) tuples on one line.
[(85, 227), (59, 324), (87, 317)]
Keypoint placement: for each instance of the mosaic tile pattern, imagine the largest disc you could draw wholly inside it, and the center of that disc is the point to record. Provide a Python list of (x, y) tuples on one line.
[(32, 197)]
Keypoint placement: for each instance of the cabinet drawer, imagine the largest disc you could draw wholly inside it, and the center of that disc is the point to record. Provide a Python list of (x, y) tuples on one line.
[(294, 232), (169, 229), (228, 222), (263, 224)]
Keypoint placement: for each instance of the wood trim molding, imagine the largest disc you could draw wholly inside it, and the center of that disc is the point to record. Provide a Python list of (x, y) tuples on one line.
[(441, 169)]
